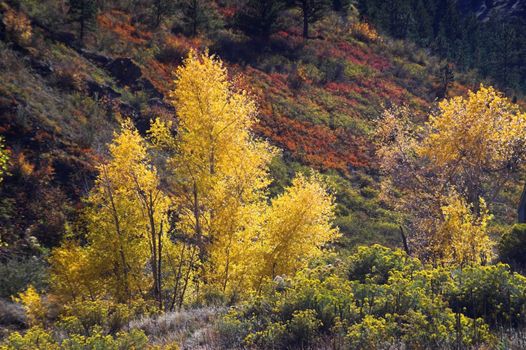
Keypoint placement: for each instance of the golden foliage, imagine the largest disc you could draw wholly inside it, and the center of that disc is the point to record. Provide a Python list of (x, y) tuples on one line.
[(441, 174), (124, 221), (296, 227), (4, 159), (484, 130), (462, 236), (220, 175), (364, 31), (71, 278), (210, 225), (32, 302)]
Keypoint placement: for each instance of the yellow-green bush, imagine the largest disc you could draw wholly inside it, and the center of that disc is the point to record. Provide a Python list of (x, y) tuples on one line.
[(377, 298), (37, 338)]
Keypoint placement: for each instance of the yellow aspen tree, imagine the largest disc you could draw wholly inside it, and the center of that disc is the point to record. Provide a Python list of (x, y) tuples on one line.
[(70, 276), (477, 141), (35, 309), (473, 145), (126, 230), (117, 239), (219, 169), (297, 226)]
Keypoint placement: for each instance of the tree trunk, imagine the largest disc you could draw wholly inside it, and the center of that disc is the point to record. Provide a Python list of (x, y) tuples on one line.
[(158, 13), (82, 23), (119, 235), (160, 265), (305, 19), (178, 277), (155, 246), (404, 241)]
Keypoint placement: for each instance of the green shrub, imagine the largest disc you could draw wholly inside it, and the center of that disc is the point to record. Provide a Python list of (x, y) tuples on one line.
[(17, 274), (376, 263), (233, 331), (332, 70), (274, 336), (493, 293), (379, 298), (83, 317), (513, 245), (357, 71), (303, 327), (133, 340), (370, 333), (35, 338)]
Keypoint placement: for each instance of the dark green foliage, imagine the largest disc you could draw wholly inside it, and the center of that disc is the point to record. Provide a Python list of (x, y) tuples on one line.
[(161, 9), (492, 292), (198, 16), (376, 263), (341, 5), (260, 17), (312, 11), (17, 274), (84, 12), (512, 247)]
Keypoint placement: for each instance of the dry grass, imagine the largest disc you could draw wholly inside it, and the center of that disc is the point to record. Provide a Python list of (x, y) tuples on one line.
[(191, 329)]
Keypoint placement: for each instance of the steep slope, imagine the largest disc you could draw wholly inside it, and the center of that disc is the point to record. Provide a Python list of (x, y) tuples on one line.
[(319, 101)]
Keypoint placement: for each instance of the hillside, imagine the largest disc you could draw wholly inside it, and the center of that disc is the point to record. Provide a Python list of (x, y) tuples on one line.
[(360, 192), (318, 102)]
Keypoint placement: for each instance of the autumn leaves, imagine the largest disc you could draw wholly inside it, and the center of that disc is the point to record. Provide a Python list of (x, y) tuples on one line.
[(444, 177), (184, 212)]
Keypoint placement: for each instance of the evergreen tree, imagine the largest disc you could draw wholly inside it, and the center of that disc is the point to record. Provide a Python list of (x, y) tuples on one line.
[(312, 11), (259, 17), (162, 8), (198, 16), (84, 12), (341, 5)]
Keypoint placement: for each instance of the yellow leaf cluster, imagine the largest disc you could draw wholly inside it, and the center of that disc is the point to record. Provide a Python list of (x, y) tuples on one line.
[(462, 236), (32, 302), (295, 222), (18, 26), (221, 176), (483, 129)]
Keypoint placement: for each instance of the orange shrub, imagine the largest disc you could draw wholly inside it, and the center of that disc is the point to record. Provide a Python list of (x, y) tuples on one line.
[(18, 26), (364, 31)]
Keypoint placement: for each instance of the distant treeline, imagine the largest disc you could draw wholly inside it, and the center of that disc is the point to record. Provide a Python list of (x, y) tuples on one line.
[(494, 47)]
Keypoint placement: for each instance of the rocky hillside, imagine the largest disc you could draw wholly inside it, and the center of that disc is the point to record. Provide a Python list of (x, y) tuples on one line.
[(500, 9), (319, 101)]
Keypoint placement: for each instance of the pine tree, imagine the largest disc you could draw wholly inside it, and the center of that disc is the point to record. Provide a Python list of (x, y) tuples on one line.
[(162, 8), (259, 17), (84, 12), (312, 11), (198, 16)]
